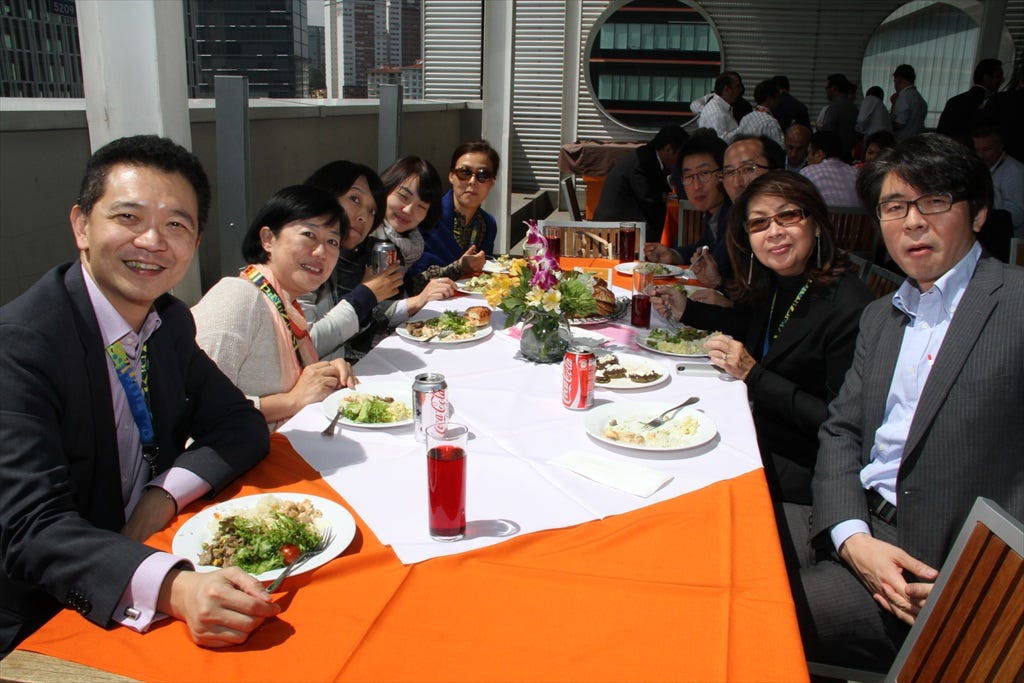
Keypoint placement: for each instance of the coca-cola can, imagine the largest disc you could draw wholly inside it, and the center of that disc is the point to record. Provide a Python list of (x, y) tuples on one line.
[(384, 254), (429, 403), (579, 370)]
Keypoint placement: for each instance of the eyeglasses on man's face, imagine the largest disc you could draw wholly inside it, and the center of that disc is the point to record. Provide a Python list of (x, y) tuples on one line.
[(894, 209), (482, 175), (701, 177), (783, 218), (744, 171)]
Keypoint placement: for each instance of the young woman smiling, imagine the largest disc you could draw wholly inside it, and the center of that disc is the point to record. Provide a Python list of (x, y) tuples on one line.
[(251, 325), (798, 305)]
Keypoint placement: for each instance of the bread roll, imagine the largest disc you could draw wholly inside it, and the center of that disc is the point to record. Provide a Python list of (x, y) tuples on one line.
[(478, 316)]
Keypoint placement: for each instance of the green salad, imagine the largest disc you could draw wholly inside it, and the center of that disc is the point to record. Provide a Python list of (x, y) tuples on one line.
[(371, 409), (454, 321), (253, 541), (684, 341)]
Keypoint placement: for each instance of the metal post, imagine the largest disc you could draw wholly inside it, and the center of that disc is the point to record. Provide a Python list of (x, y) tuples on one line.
[(389, 125), (231, 95)]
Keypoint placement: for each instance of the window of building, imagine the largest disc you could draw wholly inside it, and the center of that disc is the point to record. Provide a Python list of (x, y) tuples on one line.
[(933, 37), (646, 60)]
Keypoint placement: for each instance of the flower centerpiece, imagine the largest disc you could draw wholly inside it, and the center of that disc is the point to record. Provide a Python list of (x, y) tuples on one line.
[(542, 297)]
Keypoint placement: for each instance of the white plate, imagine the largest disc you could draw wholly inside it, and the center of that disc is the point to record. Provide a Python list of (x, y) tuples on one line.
[(481, 332), (402, 393), (188, 542), (641, 341), (584, 337), (632, 363), (597, 419), (460, 285), (493, 267), (627, 269)]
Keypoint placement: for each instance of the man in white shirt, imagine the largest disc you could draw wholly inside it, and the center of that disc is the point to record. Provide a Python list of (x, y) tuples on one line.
[(908, 108), (928, 417), (1007, 174), (835, 179), (760, 121), (717, 113)]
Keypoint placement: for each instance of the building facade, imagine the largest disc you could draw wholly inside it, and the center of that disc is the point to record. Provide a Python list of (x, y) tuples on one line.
[(364, 36), (41, 56)]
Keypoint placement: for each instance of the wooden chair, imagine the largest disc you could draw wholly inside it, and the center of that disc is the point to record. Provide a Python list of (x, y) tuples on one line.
[(691, 224), (1017, 251), (861, 264), (570, 198), (590, 239), (972, 625), (855, 230), (881, 281)]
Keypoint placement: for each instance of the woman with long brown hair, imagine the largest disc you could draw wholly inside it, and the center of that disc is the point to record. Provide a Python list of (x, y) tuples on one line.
[(795, 319)]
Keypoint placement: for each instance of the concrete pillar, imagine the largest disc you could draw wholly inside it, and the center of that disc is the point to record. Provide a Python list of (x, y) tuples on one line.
[(133, 68), (496, 123)]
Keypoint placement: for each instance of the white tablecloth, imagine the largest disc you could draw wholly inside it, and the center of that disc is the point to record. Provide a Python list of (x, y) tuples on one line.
[(517, 422)]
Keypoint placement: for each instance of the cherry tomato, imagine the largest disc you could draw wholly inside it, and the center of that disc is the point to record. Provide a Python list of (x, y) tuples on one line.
[(290, 553)]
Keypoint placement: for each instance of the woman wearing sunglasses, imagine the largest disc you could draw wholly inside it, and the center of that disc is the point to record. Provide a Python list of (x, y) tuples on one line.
[(458, 245), (797, 308)]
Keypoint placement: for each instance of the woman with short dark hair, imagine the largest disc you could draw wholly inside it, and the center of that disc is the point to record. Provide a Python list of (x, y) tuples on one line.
[(796, 314), (252, 326)]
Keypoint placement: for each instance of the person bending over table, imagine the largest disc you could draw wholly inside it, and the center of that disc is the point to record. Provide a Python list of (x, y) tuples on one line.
[(928, 419), (795, 321), (343, 306), (103, 387), (459, 244), (699, 173), (252, 326)]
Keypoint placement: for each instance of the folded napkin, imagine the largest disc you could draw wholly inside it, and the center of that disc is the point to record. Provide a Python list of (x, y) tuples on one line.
[(625, 476)]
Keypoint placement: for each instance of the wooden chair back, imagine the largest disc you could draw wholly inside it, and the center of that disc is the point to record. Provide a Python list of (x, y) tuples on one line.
[(972, 625), (1017, 251), (570, 198), (881, 281), (590, 239), (691, 224), (861, 264), (855, 230)]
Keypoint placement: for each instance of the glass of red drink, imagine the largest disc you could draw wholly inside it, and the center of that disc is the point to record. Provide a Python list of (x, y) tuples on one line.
[(554, 244), (446, 480), (626, 246), (640, 312)]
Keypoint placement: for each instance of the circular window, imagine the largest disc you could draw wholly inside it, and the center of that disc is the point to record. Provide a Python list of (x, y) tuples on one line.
[(646, 60)]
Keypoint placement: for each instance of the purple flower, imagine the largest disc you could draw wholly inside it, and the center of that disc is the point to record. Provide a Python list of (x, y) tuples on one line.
[(543, 277)]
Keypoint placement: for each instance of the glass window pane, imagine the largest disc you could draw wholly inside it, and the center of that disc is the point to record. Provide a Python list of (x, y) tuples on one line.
[(633, 43), (701, 35), (647, 36), (675, 37), (661, 37), (688, 41)]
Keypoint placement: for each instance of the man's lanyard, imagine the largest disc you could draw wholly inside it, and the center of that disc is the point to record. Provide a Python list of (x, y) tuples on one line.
[(785, 319), (138, 398), (297, 333)]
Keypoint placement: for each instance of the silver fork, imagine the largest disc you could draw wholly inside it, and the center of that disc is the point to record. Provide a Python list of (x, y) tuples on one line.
[(663, 418), (325, 540), (329, 430), (437, 335)]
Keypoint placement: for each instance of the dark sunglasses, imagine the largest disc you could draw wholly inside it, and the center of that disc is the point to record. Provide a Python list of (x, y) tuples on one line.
[(482, 175)]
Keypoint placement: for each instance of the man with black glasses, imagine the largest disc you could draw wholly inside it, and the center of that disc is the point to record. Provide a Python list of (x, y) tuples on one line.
[(699, 176), (928, 418)]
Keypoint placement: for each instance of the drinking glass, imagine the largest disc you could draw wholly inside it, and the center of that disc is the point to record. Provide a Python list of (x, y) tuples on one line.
[(627, 242), (554, 244), (446, 480), (640, 311)]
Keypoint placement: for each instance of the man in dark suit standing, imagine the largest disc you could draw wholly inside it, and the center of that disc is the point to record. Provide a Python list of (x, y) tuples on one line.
[(635, 188), (963, 112), (929, 415), (103, 386)]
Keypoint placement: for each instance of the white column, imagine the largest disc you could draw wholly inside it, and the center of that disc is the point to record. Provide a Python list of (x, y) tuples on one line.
[(133, 68), (496, 123)]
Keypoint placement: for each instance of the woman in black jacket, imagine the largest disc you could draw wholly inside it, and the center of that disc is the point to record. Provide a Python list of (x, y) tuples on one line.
[(797, 307)]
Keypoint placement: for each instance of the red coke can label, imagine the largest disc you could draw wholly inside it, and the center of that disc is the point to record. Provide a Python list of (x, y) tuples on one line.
[(429, 403), (579, 370)]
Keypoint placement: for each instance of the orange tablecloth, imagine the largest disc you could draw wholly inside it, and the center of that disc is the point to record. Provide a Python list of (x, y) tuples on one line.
[(693, 588)]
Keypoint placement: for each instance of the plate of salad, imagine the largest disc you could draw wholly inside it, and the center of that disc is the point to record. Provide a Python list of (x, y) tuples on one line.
[(374, 405), (261, 534)]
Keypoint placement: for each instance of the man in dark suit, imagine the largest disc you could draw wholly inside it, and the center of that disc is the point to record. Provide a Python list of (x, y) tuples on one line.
[(929, 415), (103, 386), (963, 112), (789, 110), (635, 188)]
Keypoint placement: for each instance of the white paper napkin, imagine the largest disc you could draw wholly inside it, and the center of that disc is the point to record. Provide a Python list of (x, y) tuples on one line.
[(629, 477)]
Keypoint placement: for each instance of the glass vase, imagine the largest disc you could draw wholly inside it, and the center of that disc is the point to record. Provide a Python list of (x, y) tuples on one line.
[(541, 341)]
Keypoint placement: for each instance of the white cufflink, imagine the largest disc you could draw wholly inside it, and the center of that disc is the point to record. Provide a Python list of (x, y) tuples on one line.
[(132, 613)]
